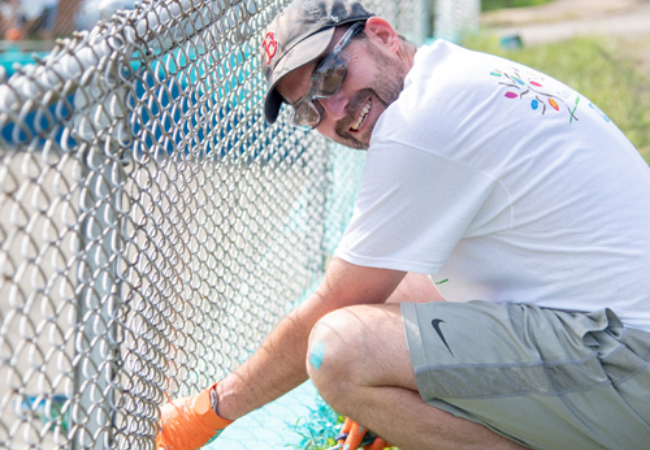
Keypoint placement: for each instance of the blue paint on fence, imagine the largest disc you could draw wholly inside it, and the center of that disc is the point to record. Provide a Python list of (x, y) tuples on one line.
[(204, 111)]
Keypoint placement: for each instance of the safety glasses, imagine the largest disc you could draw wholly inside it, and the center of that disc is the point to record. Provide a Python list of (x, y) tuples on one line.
[(325, 82)]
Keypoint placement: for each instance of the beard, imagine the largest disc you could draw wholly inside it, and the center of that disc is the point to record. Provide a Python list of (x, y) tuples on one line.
[(386, 88)]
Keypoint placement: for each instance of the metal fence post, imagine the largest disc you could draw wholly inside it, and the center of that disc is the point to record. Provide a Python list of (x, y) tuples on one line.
[(100, 106)]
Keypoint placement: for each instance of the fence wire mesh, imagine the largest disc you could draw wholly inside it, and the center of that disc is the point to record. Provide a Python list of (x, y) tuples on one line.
[(153, 227), (455, 19)]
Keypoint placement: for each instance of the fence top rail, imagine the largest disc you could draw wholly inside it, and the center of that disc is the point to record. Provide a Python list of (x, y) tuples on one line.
[(105, 49)]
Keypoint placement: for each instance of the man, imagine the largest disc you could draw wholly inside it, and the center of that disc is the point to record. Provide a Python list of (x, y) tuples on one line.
[(502, 185)]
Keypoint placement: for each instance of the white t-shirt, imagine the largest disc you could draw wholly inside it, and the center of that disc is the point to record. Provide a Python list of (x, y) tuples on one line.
[(505, 185)]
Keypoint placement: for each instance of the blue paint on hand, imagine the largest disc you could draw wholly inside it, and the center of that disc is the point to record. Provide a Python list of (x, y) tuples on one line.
[(317, 354)]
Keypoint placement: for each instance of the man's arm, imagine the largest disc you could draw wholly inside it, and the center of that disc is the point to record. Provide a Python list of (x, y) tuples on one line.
[(279, 364)]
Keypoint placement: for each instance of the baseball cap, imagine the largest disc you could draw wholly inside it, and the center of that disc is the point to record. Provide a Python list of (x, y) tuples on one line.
[(298, 35)]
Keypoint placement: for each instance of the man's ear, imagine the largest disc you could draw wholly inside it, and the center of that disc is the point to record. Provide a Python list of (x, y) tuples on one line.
[(380, 30)]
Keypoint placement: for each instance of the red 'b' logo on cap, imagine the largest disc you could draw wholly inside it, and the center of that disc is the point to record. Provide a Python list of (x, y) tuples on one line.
[(270, 46)]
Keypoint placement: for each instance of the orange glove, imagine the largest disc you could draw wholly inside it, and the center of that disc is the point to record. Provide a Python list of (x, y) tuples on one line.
[(353, 436), (188, 423)]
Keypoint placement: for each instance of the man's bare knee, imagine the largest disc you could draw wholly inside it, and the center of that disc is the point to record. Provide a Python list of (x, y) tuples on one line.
[(362, 345), (332, 355)]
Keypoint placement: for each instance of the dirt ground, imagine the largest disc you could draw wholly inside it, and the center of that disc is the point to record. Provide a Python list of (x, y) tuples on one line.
[(562, 19)]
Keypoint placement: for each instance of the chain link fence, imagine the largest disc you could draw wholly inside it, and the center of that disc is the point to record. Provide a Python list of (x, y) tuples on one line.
[(454, 19), (153, 227)]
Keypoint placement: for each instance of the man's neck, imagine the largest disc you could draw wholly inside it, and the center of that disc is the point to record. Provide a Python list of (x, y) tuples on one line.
[(406, 54)]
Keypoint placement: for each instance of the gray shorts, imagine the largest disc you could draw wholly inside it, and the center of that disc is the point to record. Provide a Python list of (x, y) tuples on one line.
[(544, 378)]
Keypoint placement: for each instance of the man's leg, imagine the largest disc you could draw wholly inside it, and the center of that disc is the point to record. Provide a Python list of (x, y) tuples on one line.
[(358, 359), (417, 288)]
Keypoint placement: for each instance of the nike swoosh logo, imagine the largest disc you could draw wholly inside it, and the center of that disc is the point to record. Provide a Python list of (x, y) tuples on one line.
[(435, 323)]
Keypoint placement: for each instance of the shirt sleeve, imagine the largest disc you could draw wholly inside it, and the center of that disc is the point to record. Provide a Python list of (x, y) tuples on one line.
[(413, 208)]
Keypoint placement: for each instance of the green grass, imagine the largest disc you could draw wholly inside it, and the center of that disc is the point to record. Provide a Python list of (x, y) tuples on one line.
[(645, 152), (489, 5), (602, 70)]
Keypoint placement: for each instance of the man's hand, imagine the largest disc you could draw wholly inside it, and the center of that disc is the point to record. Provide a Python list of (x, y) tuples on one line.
[(188, 423)]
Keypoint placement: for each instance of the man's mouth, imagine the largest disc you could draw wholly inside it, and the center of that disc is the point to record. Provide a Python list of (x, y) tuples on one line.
[(363, 115)]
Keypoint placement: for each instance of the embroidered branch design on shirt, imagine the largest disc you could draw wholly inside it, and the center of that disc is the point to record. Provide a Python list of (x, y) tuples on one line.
[(532, 87)]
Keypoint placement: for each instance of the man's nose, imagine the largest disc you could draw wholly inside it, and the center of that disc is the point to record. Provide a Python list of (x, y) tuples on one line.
[(334, 106)]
